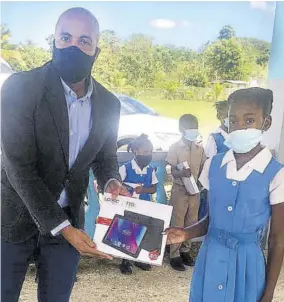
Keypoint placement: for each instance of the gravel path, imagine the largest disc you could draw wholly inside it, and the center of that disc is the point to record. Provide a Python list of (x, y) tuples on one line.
[(102, 281)]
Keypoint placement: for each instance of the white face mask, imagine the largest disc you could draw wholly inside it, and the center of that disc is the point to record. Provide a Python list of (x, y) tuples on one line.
[(243, 141), (226, 122), (192, 135)]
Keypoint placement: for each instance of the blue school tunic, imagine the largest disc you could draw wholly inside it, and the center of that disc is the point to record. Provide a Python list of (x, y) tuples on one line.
[(230, 266), (219, 140), (143, 179)]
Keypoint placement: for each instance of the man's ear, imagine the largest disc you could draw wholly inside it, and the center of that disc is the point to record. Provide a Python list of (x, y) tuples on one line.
[(97, 52), (267, 123)]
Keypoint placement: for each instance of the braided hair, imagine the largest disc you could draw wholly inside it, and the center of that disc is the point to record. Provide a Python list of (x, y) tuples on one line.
[(261, 97), (221, 105), (222, 109), (138, 142)]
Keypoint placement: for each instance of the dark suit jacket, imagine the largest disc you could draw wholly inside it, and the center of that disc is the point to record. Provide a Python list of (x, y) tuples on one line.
[(35, 143)]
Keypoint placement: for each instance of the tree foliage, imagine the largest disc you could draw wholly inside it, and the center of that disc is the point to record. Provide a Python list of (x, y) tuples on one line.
[(138, 63), (227, 33), (226, 60)]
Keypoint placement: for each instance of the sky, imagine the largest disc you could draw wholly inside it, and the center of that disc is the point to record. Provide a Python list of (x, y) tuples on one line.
[(187, 24)]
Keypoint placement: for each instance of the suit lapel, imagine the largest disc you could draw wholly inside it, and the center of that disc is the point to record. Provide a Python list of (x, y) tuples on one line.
[(58, 108), (96, 135)]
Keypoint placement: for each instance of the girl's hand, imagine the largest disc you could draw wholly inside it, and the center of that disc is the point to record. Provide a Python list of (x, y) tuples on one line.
[(139, 190), (176, 235)]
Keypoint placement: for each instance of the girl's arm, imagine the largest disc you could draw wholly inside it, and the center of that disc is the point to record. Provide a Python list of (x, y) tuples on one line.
[(275, 251), (150, 190), (179, 235), (210, 148)]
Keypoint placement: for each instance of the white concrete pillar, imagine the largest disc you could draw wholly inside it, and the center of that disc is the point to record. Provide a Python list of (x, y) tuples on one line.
[(274, 138)]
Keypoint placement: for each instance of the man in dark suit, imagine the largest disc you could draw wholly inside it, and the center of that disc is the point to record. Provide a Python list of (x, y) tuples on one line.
[(57, 122)]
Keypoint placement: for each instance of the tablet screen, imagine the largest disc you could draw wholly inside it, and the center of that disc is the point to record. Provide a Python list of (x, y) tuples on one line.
[(125, 234)]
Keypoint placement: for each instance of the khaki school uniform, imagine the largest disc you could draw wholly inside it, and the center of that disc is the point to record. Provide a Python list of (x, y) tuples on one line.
[(185, 206)]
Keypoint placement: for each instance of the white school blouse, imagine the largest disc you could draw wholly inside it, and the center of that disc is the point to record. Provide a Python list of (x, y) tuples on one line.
[(258, 163)]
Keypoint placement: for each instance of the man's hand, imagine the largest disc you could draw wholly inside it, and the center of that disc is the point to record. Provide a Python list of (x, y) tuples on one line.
[(115, 188), (176, 235), (82, 243)]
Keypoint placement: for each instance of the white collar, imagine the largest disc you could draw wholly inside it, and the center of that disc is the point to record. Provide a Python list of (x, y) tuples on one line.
[(221, 131), (69, 92), (258, 163), (137, 169)]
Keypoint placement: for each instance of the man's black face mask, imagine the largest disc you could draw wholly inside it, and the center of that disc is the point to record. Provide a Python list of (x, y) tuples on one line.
[(72, 64)]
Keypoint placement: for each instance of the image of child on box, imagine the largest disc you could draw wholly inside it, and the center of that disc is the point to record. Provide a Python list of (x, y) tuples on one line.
[(246, 189), (215, 143), (140, 179), (186, 158)]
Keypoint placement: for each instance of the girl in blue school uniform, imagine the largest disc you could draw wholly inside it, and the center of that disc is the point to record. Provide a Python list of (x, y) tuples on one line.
[(246, 189), (215, 143), (140, 179)]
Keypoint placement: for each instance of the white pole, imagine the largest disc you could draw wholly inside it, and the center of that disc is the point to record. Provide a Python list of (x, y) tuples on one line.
[(274, 138)]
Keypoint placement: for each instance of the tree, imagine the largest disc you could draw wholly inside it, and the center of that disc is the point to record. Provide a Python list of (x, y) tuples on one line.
[(136, 61), (10, 52), (106, 69), (192, 73), (5, 38), (226, 33), (256, 50), (34, 56), (226, 60)]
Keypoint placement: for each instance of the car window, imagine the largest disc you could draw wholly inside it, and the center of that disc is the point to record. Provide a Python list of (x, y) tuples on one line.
[(5, 69), (126, 109), (132, 106)]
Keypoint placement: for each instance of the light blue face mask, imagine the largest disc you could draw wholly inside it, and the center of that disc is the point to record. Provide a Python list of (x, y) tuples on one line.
[(243, 141), (192, 135)]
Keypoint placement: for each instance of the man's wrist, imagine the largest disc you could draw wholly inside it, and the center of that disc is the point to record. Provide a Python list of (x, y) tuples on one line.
[(65, 231), (109, 181), (59, 228)]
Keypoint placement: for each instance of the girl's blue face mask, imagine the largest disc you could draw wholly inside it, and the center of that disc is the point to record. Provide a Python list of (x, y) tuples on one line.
[(191, 135), (243, 141)]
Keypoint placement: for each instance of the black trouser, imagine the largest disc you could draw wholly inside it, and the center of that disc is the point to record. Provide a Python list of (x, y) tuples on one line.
[(56, 261)]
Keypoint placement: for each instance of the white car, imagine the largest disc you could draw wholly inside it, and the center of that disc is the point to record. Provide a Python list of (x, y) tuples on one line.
[(6, 71), (136, 119)]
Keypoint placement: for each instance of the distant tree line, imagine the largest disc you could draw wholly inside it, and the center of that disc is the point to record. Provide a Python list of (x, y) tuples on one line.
[(138, 63)]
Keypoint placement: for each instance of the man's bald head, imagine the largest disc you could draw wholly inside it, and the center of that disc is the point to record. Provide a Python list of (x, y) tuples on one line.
[(77, 27)]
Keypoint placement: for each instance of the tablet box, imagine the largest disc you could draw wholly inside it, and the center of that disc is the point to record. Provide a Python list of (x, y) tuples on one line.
[(189, 182), (131, 229)]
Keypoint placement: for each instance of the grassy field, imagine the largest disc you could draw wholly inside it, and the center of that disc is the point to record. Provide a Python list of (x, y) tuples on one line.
[(204, 111)]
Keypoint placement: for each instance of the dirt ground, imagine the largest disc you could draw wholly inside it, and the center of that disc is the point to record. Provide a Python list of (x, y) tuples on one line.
[(102, 281)]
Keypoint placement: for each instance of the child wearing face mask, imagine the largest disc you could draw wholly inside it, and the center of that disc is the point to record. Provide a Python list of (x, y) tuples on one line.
[(215, 143), (185, 206), (246, 190), (140, 179)]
